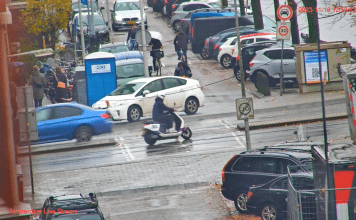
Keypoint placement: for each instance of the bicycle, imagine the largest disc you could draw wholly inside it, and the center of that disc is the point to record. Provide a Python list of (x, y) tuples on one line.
[(158, 54), (134, 44), (181, 55)]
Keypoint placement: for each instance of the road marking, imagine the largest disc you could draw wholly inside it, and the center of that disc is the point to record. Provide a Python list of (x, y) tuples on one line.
[(126, 148), (119, 143), (229, 126), (301, 133)]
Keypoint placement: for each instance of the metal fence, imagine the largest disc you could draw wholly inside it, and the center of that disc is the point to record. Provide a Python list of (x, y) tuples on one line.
[(320, 204)]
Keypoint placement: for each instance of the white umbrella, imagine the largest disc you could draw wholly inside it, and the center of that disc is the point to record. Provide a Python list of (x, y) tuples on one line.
[(156, 35)]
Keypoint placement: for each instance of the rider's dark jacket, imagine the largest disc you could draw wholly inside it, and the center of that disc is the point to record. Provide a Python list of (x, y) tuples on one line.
[(158, 109)]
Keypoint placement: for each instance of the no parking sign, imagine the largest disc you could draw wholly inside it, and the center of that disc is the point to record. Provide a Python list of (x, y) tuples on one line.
[(283, 30)]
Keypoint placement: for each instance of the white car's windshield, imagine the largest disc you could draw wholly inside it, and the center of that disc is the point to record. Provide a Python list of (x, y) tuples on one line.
[(116, 49), (127, 89), (126, 6), (128, 71)]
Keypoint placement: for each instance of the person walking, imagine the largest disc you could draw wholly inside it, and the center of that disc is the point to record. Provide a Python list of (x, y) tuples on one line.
[(132, 37), (38, 83), (60, 83), (182, 43)]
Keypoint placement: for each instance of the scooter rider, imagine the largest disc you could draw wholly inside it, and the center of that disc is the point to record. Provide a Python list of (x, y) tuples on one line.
[(159, 115)]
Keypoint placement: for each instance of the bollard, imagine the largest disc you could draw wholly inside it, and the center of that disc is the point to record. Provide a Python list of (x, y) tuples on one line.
[(262, 84)]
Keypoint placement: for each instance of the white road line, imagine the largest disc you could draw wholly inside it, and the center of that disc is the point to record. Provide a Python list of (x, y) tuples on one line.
[(301, 132), (122, 148), (126, 148), (228, 126)]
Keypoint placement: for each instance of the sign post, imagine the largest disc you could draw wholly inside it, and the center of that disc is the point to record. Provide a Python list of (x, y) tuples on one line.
[(284, 12)]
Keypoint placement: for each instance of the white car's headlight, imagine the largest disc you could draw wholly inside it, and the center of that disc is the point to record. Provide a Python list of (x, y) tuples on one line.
[(118, 103), (118, 18)]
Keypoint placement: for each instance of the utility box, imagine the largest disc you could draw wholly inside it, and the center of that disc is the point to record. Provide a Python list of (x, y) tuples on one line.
[(349, 73), (100, 74), (332, 55)]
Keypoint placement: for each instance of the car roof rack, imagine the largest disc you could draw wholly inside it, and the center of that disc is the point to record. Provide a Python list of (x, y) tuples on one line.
[(74, 202)]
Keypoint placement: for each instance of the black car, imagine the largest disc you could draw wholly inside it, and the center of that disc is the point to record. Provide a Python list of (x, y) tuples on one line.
[(248, 52), (71, 207), (258, 167), (269, 200)]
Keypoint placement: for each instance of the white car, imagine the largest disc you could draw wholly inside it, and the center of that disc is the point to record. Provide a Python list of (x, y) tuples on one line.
[(230, 48), (125, 13), (135, 99)]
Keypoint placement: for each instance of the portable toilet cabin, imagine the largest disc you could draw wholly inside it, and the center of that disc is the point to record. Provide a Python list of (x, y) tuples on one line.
[(100, 74)]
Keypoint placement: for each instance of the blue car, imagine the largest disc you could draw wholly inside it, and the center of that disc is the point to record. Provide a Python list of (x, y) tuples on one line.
[(66, 121)]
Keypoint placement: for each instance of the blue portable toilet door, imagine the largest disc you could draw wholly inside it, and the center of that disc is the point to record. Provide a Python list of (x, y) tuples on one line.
[(101, 78)]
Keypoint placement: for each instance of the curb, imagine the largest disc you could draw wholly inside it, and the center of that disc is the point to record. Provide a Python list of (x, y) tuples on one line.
[(153, 188), (290, 121), (22, 151), (273, 109)]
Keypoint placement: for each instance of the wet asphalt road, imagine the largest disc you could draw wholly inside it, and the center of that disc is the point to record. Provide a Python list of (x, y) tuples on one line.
[(211, 135)]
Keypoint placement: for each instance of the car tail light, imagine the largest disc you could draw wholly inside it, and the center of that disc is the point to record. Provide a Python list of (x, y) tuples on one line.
[(206, 42), (165, 2), (105, 115), (220, 49), (238, 58), (223, 175), (192, 33), (251, 63), (249, 194), (216, 46), (233, 50), (173, 13), (107, 104), (173, 6)]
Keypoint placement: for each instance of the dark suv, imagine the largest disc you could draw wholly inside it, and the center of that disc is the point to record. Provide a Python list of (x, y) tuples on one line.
[(258, 167), (71, 207)]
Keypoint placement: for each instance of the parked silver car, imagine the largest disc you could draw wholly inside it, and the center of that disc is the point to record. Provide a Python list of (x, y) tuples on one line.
[(184, 9), (268, 62)]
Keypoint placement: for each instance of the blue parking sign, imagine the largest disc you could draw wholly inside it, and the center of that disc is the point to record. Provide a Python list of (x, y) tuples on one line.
[(84, 2)]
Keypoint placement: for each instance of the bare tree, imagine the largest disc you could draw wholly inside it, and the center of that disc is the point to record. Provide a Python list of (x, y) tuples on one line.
[(294, 22), (276, 6), (242, 7), (313, 21), (257, 14)]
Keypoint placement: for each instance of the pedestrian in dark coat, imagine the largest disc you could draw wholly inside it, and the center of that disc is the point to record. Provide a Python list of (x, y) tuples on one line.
[(182, 43), (131, 36), (38, 83), (61, 93), (182, 70)]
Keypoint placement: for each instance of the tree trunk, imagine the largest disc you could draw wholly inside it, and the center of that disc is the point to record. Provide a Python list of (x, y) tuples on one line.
[(276, 6), (313, 21), (294, 22), (257, 14), (242, 7)]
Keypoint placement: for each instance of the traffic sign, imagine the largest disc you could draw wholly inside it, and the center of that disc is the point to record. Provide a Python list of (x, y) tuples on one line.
[(138, 37), (244, 108), (284, 12), (283, 30)]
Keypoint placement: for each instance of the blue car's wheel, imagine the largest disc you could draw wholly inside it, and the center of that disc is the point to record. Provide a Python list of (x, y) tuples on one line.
[(83, 133)]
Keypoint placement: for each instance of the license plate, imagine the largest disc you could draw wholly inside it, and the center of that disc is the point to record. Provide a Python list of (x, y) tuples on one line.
[(131, 22)]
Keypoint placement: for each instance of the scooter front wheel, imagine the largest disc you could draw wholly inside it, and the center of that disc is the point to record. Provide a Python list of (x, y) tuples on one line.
[(187, 133), (148, 138)]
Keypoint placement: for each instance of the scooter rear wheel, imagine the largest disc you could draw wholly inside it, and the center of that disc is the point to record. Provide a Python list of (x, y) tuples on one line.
[(187, 133), (148, 138)]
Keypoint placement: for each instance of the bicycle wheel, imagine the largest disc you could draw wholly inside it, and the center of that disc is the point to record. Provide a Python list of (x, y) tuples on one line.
[(159, 66)]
